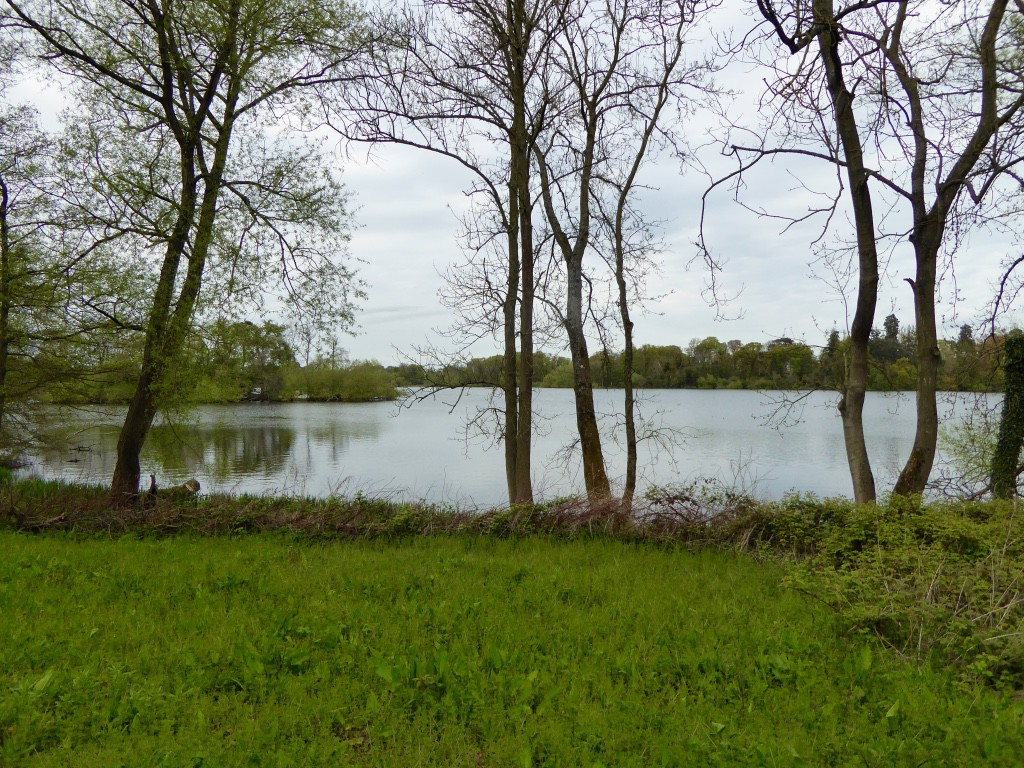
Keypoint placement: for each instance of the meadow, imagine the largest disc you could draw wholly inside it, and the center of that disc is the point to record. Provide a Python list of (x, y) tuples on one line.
[(278, 649)]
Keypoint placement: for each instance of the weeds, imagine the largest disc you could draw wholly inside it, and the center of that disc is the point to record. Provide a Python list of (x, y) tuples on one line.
[(938, 581), (444, 651)]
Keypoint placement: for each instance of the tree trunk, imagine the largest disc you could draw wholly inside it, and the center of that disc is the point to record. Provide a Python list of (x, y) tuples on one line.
[(1006, 459), (509, 370), (594, 475), (629, 404), (914, 476), (629, 401), (5, 298), (524, 437), (170, 318), (124, 486), (851, 407), (521, 218)]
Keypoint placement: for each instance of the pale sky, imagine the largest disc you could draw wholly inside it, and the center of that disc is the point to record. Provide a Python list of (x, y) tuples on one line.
[(408, 235), (407, 202)]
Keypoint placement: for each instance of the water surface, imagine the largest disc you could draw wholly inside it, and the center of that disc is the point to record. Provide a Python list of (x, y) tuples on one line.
[(438, 449)]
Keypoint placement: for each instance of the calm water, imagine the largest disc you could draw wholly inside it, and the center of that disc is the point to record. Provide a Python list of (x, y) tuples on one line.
[(434, 449)]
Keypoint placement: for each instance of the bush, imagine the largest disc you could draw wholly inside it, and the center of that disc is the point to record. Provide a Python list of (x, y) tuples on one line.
[(944, 580), (357, 382)]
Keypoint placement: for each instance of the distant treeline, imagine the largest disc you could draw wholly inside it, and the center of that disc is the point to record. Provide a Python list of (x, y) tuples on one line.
[(783, 363), (230, 362), (240, 361)]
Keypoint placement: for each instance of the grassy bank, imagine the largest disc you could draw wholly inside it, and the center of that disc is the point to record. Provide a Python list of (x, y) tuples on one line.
[(269, 631), (448, 651), (937, 582)]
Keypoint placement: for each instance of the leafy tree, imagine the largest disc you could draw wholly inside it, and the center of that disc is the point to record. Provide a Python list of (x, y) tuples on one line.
[(177, 96), (790, 363), (832, 363), (58, 309), (748, 361), (892, 327), (354, 382), (710, 355), (242, 360)]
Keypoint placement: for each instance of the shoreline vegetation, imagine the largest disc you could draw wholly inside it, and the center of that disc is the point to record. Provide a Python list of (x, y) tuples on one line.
[(244, 362), (705, 625)]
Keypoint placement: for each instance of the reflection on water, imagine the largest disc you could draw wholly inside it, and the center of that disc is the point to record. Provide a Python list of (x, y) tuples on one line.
[(420, 452)]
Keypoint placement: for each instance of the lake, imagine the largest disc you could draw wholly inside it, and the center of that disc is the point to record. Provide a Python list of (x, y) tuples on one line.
[(437, 449)]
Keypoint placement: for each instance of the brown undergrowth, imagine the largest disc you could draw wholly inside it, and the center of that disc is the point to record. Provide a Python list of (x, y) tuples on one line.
[(700, 514)]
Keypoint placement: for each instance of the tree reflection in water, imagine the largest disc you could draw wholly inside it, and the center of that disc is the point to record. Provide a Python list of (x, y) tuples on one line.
[(318, 449)]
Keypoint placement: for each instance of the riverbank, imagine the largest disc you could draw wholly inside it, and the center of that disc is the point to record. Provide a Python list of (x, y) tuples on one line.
[(278, 649), (941, 581)]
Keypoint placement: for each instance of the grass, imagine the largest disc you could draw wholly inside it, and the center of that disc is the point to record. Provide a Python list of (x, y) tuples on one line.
[(280, 650)]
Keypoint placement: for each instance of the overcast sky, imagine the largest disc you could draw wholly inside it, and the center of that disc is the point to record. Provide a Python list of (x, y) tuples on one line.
[(408, 229), (407, 204)]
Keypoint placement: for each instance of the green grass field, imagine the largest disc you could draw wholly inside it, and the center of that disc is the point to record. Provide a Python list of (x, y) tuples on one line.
[(269, 650)]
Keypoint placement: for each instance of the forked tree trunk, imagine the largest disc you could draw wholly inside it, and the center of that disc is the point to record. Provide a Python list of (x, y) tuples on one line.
[(170, 317), (930, 223)]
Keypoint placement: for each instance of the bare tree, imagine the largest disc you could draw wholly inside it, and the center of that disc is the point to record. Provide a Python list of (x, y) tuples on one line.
[(923, 108), (461, 80), (613, 69)]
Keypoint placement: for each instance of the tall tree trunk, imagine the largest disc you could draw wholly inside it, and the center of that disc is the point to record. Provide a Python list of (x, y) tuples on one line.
[(171, 318), (124, 485), (851, 407), (594, 475), (573, 249), (5, 298), (619, 245), (524, 437), (629, 404), (509, 373), (930, 223), (914, 476), (522, 210)]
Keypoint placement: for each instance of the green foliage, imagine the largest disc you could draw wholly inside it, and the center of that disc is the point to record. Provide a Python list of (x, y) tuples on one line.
[(359, 381), (938, 580), (276, 651), (242, 360), (782, 363), (558, 377), (942, 580), (1006, 457)]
